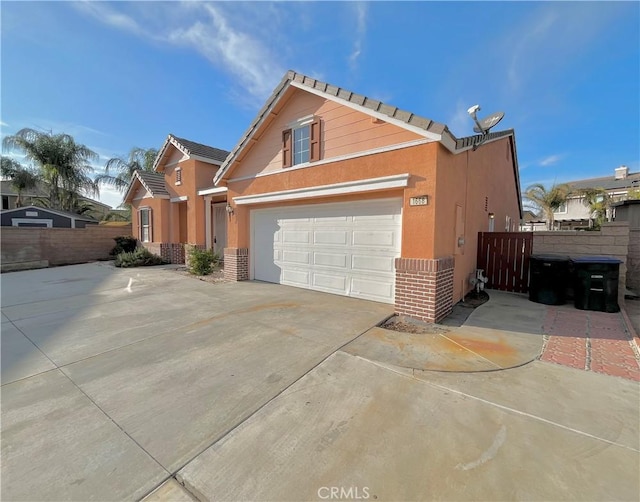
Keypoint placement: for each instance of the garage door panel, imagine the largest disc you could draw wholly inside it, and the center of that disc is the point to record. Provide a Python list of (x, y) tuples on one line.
[(371, 290), (296, 257), (372, 238), (330, 237), (332, 283), (342, 248), (369, 263), (330, 260), (295, 237), (295, 277)]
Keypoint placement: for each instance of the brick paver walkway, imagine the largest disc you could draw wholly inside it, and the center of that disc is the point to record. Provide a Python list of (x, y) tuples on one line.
[(594, 341)]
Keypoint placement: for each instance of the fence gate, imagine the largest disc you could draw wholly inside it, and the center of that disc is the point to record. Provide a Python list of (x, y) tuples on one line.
[(504, 257)]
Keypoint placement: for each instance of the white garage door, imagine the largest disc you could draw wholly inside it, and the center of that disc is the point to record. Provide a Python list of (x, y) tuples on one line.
[(342, 248)]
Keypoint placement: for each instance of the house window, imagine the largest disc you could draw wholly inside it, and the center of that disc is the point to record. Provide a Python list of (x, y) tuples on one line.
[(301, 143), (145, 224), (562, 208), (178, 176), (5, 202)]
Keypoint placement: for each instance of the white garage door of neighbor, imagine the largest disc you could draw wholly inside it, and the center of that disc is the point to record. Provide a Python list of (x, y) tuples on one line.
[(341, 248)]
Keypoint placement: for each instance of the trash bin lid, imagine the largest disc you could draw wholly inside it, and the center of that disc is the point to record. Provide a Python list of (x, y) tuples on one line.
[(549, 257), (594, 259)]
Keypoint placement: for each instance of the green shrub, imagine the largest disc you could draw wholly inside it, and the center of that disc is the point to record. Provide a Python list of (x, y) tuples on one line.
[(124, 244), (202, 261), (141, 257)]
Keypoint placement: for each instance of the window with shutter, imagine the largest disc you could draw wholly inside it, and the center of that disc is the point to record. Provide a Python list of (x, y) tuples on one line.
[(286, 148), (301, 143)]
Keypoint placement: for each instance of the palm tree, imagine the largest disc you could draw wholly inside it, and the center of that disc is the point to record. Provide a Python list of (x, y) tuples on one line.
[(548, 201), (139, 159), (22, 178), (63, 164), (597, 200)]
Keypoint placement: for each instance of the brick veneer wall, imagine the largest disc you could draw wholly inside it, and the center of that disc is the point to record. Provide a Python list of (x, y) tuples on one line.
[(236, 264), (171, 252), (424, 288), (25, 248), (611, 240)]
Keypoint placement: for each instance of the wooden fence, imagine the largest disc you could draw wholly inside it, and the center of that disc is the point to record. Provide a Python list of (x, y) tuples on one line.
[(504, 257)]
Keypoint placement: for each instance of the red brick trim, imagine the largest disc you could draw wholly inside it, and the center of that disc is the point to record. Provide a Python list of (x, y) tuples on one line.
[(424, 288), (236, 264)]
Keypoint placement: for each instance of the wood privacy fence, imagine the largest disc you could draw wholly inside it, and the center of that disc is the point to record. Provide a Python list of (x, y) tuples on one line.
[(504, 257)]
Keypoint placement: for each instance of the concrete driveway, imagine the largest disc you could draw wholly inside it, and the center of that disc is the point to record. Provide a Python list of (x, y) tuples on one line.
[(117, 382)]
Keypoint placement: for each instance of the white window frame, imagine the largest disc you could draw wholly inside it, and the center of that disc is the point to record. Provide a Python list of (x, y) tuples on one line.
[(298, 125), (148, 226), (560, 210)]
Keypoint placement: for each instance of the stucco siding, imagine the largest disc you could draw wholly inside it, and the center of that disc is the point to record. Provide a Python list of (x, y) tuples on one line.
[(479, 183), (417, 227), (344, 131)]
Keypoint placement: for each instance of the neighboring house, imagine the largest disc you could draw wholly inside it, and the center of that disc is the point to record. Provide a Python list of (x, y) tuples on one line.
[(178, 204), (35, 216), (336, 192), (41, 193), (575, 214), (532, 222)]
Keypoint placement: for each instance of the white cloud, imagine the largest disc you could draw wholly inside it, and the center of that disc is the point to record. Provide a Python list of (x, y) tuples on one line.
[(3, 124), (550, 160), (105, 14), (242, 55), (242, 52), (360, 9), (110, 196)]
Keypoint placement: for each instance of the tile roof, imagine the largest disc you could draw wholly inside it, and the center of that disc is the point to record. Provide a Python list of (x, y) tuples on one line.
[(201, 150), (153, 182), (608, 182)]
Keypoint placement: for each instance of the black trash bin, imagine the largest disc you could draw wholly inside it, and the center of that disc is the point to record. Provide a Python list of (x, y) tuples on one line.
[(549, 278), (595, 284)]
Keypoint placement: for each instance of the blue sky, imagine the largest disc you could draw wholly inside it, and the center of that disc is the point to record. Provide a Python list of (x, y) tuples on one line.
[(123, 74)]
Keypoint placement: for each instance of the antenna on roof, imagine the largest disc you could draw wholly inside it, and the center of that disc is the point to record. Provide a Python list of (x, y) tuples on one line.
[(483, 126)]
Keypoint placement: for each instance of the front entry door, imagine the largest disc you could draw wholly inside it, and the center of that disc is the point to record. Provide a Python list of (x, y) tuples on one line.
[(219, 228)]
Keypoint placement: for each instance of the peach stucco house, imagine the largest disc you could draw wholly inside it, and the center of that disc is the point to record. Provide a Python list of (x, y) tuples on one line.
[(177, 204), (336, 192)]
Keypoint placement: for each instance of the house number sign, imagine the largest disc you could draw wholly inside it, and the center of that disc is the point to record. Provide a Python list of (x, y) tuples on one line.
[(420, 200)]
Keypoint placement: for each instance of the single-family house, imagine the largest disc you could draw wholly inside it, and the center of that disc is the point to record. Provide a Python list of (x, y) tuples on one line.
[(42, 217), (40, 193), (576, 214), (177, 204), (336, 192)]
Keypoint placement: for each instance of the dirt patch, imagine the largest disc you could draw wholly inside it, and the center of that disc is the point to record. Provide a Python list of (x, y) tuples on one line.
[(474, 299), (213, 278), (457, 317), (406, 325)]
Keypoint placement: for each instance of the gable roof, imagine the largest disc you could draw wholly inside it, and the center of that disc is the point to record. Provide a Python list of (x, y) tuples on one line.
[(152, 183), (191, 149), (41, 190), (391, 114), (66, 214), (608, 182)]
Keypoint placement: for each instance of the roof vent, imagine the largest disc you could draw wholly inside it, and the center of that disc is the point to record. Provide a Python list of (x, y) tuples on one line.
[(622, 172)]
